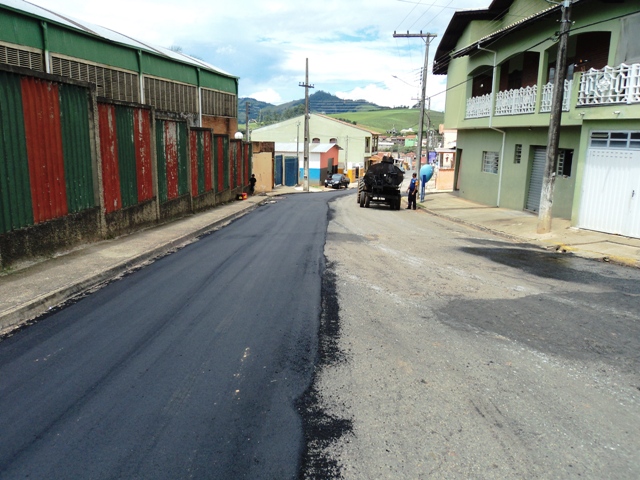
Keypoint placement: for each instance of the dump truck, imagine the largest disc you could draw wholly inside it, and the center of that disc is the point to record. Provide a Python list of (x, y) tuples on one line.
[(381, 184)]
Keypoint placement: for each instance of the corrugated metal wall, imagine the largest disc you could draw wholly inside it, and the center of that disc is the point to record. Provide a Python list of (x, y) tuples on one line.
[(222, 161), (109, 153), (171, 148), (45, 151), (125, 146), (200, 153), (15, 193), (142, 142), (76, 145), (41, 109)]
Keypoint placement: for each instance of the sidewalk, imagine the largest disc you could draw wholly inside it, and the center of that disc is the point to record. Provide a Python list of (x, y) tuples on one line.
[(521, 226), (28, 292)]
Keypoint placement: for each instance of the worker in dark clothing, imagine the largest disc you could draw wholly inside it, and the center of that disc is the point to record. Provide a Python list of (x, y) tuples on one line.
[(412, 190)]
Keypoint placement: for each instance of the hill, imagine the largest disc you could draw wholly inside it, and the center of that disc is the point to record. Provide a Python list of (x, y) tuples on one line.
[(388, 120), (319, 102)]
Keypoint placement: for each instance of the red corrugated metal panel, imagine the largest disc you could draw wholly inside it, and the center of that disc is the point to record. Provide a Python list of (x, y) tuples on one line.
[(193, 161), (142, 140), (109, 154), (219, 140), (236, 157), (171, 155), (41, 106), (247, 156), (206, 137)]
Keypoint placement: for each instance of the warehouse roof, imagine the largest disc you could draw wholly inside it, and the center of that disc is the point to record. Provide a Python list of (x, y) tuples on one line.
[(105, 33)]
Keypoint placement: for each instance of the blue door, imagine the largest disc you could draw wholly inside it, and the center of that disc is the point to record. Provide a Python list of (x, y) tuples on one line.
[(290, 171), (278, 169)]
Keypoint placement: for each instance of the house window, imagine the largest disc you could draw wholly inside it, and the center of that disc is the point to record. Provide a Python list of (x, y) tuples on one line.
[(615, 139), (565, 160), (367, 144), (490, 162), (315, 140), (517, 157)]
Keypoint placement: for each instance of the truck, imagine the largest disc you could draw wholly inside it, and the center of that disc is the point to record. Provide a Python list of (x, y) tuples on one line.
[(381, 184)]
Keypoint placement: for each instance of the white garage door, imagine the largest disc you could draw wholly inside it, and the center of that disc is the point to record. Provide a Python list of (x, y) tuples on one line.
[(611, 184)]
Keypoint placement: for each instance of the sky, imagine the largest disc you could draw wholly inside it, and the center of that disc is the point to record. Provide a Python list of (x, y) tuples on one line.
[(349, 44)]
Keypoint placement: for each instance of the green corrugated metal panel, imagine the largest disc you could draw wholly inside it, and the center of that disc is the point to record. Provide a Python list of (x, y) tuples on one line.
[(161, 162), (21, 30), (76, 145), (201, 172), (183, 159), (218, 82), (15, 191), (126, 156), (165, 68), (76, 44)]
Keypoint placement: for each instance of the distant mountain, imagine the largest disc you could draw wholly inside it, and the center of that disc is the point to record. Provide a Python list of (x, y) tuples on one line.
[(319, 102)]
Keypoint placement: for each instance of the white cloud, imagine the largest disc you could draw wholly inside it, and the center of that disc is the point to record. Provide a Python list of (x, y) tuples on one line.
[(269, 95)]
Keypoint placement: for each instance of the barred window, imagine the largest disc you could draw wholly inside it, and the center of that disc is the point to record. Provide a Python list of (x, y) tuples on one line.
[(170, 96), (219, 104), (517, 157), (20, 57), (490, 162), (109, 82), (565, 160)]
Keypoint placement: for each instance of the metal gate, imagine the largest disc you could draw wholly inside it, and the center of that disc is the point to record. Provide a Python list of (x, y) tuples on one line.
[(610, 189), (278, 170), (535, 180), (290, 171)]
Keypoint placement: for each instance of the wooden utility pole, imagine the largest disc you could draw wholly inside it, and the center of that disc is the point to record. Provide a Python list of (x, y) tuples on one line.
[(428, 37), (546, 197), (306, 126)]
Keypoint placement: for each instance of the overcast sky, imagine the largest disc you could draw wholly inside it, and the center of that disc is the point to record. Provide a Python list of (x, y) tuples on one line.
[(349, 43)]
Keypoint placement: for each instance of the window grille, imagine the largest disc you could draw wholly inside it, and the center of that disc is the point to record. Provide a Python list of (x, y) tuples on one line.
[(170, 96), (517, 157), (21, 58), (219, 104), (615, 139), (490, 162), (109, 82)]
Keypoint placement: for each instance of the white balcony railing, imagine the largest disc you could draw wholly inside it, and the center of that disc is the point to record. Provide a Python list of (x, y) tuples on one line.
[(610, 85), (547, 96), (478, 107), (516, 101)]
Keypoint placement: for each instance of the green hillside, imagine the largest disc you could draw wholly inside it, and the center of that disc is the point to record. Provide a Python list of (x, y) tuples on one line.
[(383, 121)]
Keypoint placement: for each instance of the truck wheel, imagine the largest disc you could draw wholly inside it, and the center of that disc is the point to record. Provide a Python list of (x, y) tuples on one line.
[(358, 197), (362, 195), (367, 200), (398, 203)]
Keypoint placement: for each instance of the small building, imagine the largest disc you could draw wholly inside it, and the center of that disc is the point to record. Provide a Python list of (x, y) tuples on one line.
[(357, 143), (289, 162)]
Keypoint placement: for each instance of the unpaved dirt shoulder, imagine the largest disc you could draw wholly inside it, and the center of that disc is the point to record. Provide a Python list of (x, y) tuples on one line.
[(429, 395)]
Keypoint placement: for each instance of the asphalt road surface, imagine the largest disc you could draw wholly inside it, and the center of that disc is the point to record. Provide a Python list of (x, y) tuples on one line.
[(453, 353), (191, 367)]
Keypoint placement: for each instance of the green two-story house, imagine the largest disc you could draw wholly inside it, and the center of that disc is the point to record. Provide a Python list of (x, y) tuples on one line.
[(500, 64)]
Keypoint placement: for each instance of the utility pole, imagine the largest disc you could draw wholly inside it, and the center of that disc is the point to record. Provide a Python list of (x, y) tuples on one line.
[(428, 37), (546, 197), (246, 135), (306, 126)]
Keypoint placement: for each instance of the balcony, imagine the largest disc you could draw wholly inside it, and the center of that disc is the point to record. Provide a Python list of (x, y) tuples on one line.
[(610, 86), (606, 86), (517, 101)]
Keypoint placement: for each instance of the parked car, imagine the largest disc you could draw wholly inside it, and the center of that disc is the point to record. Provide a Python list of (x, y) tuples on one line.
[(337, 180)]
